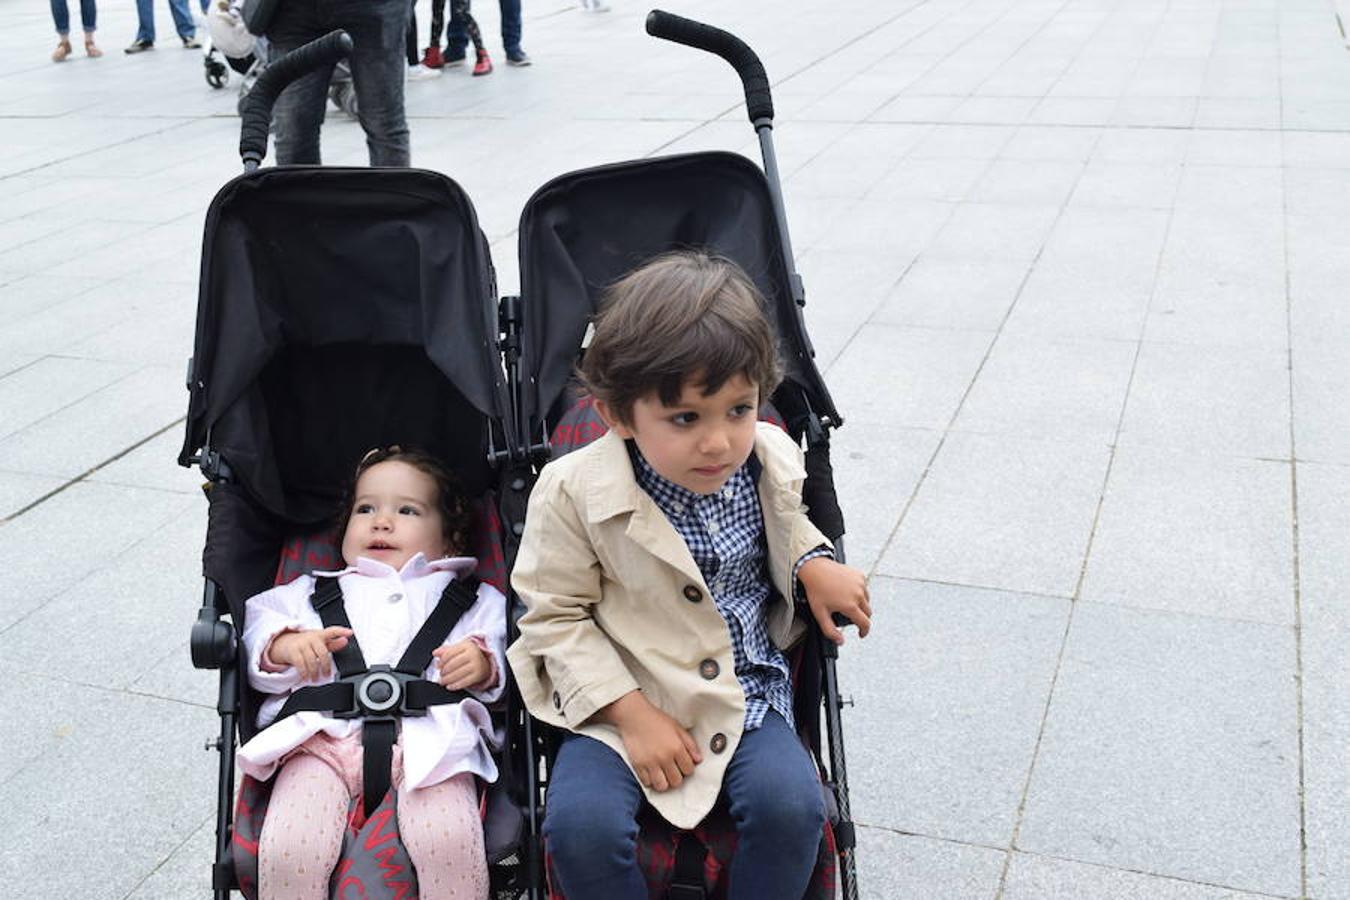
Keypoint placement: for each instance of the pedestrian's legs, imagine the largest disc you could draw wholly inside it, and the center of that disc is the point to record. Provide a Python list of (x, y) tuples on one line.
[(437, 23), (510, 26), (88, 15), (459, 12), (145, 18), (182, 19), (410, 41), (774, 794), (301, 836), (590, 822), (444, 837), (61, 16), (378, 31), (456, 39), (298, 114)]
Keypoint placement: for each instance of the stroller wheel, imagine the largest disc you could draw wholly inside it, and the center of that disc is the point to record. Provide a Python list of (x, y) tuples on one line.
[(216, 74)]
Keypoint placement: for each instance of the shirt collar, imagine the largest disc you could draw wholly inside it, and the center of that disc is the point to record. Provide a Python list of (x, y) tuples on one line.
[(673, 500), (416, 566)]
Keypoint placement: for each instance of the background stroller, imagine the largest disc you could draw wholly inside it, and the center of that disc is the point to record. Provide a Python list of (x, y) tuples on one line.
[(392, 235)]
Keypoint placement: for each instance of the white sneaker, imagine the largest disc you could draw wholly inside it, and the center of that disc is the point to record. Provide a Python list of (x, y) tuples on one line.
[(420, 72)]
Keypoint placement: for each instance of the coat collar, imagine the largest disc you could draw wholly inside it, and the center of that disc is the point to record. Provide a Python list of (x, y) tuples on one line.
[(616, 491)]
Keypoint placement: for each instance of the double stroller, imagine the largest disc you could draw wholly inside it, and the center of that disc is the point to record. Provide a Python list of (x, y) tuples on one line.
[(342, 309)]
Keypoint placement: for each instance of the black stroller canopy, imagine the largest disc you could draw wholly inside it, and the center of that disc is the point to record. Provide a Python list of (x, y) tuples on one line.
[(582, 231), (324, 294)]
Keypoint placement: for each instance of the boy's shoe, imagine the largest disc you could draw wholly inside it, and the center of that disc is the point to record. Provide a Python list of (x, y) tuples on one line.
[(453, 57), (432, 59), (191, 43), (422, 73), (140, 47), (518, 58), (484, 64)]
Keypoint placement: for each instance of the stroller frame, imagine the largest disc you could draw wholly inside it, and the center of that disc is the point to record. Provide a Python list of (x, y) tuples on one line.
[(523, 450)]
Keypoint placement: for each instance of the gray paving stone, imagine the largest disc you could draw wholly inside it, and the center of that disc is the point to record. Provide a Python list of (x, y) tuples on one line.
[(102, 425), (878, 467), (1229, 147), (1135, 146), (1108, 184), (1078, 298), (1312, 149), (1002, 512), (39, 544), (49, 385), (1061, 388), (953, 293), (1326, 671), (1202, 535), (1232, 187), (1064, 144), (19, 489), (1238, 112), (923, 391), (1221, 401), (932, 650), (1015, 182), (843, 289), (146, 617), (1171, 748), (990, 231), (153, 464), (1036, 877), (119, 753), (930, 179), (903, 865), (1074, 111), (187, 870)]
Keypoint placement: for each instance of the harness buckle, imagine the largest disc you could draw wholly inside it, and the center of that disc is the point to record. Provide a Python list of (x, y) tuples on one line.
[(380, 692)]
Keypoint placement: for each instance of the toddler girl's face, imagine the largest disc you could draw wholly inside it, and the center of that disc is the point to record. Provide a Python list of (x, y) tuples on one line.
[(395, 515)]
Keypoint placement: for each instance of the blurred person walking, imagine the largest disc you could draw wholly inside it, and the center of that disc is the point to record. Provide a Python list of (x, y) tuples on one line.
[(457, 34), (378, 29), (88, 18), (462, 20), (145, 31)]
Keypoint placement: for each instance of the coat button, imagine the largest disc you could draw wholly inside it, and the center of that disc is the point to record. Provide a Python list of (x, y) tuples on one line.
[(395, 597), (709, 669), (718, 742), (692, 594), (557, 701)]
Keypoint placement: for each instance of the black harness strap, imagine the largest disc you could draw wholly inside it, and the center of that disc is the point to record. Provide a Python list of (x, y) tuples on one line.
[(380, 732), (686, 882)]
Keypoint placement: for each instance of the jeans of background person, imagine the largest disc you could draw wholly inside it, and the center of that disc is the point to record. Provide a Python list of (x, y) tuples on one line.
[(772, 790), (61, 16), (182, 19), (378, 29), (456, 39)]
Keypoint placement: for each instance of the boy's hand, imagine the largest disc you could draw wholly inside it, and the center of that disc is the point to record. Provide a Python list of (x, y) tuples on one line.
[(832, 587), (310, 652), (463, 665), (661, 750)]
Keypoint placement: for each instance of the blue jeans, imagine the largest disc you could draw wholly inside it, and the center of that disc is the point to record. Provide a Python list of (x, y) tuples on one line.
[(771, 788), (456, 39), (61, 16), (145, 13), (378, 29)]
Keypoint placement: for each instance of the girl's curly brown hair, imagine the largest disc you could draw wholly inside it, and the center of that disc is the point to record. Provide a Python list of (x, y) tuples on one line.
[(453, 505)]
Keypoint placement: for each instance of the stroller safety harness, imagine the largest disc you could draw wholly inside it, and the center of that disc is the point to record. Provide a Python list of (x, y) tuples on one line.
[(379, 695)]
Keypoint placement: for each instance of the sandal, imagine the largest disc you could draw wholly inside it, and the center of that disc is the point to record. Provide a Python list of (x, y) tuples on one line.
[(90, 50), (61, 52)]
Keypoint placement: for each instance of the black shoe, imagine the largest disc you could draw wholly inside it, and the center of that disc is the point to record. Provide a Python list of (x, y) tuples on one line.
[(454, 57), (140, 47), (518, 58), (191, 43)]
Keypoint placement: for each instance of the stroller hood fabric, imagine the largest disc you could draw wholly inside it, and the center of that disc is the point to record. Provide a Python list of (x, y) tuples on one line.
[(341, 309), (582, 231)]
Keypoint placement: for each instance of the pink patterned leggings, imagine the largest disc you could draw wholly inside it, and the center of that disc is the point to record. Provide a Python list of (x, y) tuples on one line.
[(302, 833)]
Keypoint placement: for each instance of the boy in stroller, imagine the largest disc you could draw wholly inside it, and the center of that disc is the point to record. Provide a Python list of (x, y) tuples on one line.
[(676, 702), (405, 527)]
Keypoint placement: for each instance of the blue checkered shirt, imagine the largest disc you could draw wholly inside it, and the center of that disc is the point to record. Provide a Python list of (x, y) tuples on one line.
[(725, 534)]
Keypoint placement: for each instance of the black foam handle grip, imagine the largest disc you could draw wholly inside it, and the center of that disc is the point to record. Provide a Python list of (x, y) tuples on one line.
[(758, 98), (326, 51)]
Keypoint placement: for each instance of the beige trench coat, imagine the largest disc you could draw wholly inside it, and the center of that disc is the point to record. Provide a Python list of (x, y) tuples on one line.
[(615, 602)]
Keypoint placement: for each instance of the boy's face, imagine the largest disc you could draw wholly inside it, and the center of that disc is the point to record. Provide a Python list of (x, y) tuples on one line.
[(395, 515), (699, 442)]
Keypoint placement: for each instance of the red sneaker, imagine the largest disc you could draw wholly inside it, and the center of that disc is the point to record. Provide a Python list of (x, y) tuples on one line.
[(432, 59), (484, 64)]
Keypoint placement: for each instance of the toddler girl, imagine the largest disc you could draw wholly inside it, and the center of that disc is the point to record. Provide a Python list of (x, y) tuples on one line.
[(402, 541)]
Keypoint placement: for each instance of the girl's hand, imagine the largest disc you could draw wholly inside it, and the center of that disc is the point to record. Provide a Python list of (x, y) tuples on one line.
[(832, 587), (661, 751), (463, 665), (309, 652)]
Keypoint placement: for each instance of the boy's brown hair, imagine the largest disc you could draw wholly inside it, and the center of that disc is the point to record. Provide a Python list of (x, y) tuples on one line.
[(683, 315), (453, 505)]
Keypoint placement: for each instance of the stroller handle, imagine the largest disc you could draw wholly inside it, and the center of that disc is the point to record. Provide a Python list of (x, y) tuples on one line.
[(326, 51), (670, 27)]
